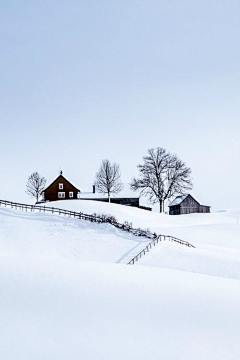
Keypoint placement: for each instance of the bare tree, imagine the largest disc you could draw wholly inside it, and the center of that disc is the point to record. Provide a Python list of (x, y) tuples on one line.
[(108, 178), (35, 185), (162, 176)]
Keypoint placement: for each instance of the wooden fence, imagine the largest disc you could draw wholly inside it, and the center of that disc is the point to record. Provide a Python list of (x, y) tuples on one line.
[(101, 219), (156, 240)]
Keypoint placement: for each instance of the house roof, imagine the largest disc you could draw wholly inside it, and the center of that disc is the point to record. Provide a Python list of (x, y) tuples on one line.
[(60, 176), (179, 199)]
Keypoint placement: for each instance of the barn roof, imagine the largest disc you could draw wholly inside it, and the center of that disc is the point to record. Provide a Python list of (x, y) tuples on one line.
[(60, 176), (178, 200)]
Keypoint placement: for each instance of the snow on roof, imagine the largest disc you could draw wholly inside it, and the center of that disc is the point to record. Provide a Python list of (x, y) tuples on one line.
[(59, 176), (178, 200), (96, 195)]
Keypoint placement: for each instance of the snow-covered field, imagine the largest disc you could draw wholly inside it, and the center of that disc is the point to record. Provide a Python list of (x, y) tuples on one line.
[(52, 236), (81, 310), (216, 237), (220, 228), (66, 292)]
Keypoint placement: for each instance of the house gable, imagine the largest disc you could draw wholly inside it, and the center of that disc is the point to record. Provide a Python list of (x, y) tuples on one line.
[(189, 201), (59, 179), (60, 189)]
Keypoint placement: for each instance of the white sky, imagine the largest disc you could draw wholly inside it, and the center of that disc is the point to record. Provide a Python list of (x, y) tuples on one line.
[(87, 80)]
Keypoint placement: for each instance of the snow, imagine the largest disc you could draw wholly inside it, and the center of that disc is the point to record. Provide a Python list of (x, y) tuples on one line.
[(32, 235), (215, 236), (178, 200), (222, 262), (86, 310), (220, 229), (67, 293)]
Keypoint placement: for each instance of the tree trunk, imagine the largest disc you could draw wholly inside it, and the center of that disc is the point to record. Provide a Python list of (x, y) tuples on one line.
[(108, 197), (160, 206)]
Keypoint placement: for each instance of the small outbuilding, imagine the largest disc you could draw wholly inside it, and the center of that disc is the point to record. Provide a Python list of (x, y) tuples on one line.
[(60, 189), (186, 204)]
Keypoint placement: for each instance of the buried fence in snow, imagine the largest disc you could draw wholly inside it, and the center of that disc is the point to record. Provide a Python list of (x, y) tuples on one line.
[(101, 219), (156, 240)]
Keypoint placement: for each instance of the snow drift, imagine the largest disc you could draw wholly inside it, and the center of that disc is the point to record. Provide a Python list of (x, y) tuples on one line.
[(64, 297)]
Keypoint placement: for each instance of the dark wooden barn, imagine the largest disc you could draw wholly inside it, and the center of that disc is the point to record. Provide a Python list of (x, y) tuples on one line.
[(60, 189), (186, 204)]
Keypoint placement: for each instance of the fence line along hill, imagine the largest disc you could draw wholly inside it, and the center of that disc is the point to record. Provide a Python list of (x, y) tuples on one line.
[(126, 226)]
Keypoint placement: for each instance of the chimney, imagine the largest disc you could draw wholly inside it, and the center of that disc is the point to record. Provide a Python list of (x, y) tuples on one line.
[(94, 189)]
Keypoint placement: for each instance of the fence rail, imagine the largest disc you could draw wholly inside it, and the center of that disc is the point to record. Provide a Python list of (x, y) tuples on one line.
[(101, 219), (155, 241)]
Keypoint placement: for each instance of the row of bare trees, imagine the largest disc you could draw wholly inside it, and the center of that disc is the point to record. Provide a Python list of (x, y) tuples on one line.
[(162, 176)]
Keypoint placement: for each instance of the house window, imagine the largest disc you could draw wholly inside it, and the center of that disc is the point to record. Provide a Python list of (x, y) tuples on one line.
[(60, 186), (61, 195), (71, 194)]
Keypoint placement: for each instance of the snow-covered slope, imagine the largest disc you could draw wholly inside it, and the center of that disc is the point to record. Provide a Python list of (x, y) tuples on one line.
[(62, 296), (221, 228), (53, 236), (56, 237), (216, 237), (63, 310)]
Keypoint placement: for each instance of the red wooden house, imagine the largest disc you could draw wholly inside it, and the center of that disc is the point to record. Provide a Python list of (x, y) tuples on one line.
[(60, 189)]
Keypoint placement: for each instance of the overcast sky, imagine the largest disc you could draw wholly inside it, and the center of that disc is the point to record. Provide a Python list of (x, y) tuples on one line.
[(86, 80)]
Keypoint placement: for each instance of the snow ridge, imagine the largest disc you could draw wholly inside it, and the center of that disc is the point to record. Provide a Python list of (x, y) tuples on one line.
[(126, 226)]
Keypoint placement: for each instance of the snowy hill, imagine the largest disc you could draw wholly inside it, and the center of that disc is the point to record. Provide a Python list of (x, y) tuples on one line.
[(33, 235), (215, 235), (82, 310), (53, 236), (221, 228), (63, 295)]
